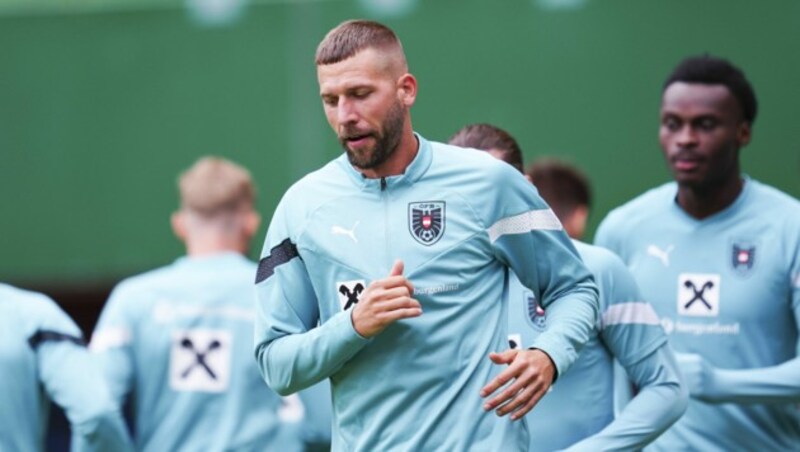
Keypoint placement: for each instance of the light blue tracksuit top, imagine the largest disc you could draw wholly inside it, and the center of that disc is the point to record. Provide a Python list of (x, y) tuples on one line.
[(178, 341), (43, 358), (459, 220), (727, 289)]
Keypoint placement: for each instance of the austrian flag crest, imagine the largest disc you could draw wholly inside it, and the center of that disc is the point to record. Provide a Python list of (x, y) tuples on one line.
[(426, 221), (743, 256)]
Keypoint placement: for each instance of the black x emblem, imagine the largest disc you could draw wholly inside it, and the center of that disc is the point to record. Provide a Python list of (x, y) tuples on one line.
[(698, 293), (200, 357), (352, 296)]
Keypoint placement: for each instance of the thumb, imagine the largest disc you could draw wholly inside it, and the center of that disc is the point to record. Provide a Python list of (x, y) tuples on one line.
[(397, 268), (505, 357)]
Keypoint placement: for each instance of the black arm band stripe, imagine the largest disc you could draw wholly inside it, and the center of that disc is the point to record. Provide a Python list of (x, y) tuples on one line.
[(280, 254), (43, 336)]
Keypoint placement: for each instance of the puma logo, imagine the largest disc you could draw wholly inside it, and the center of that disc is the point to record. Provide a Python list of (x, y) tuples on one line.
[(662, 255), (338, 230)]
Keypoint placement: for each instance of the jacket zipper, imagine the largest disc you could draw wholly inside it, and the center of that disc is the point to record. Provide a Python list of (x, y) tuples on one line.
[(385, 199)]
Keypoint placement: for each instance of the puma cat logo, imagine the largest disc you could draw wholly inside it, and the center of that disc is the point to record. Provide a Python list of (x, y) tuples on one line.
[(338, 230), (662, 255)]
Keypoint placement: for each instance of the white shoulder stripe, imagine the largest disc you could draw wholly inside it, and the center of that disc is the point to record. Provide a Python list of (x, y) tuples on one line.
[(630, 313), (532, 220), (110, 338)]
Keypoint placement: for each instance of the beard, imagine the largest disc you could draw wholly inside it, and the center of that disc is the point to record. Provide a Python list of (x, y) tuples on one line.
[(386, 141)]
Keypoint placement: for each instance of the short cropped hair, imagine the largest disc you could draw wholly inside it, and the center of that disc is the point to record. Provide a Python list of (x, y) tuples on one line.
[(487, 137), (353, 36), (214, 186), (709, 70), (563, 186)]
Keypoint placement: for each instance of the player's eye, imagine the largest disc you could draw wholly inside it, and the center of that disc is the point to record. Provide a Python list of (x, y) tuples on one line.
[(707, 124), (330, 101), (671, 123)]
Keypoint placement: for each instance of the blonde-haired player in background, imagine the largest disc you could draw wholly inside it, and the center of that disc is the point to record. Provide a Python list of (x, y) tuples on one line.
[(179, 339)]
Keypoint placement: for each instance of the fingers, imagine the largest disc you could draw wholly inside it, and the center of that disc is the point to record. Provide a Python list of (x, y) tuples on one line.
[(526, 386), (504, 396), (527, 406), (521, 402), (397, 268), (392, 282), (503, 358), (524, 382), (499, 381), (385, 301), (393, 316), (399, 303)]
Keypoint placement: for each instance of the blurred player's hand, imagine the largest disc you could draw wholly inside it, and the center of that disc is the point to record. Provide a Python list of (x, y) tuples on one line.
[(384, 302), (532, 372), (698, 375)]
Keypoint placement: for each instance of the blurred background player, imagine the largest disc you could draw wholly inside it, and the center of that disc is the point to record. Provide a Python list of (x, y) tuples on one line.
[(566, 189), (718, 255), (43, 357), (179, 339), (578, 412)]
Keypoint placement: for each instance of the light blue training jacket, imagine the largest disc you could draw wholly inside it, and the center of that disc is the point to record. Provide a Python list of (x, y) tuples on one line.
[(43, 358), (178, 342), (459, 220), (727, 289)]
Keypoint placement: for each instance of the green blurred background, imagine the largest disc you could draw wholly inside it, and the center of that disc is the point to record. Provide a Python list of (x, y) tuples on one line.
[(104, 102)]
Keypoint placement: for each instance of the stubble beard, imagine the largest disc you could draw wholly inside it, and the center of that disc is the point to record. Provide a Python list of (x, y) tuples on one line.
[(385, 143)]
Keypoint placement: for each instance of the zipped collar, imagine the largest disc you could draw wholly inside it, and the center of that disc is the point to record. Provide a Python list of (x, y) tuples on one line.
[(414, 171)]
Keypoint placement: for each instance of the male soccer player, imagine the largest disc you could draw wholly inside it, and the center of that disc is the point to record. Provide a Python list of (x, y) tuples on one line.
[(179, 339), (718, 255), (400, 250), (578, 413), (43, 357), (566, 190)]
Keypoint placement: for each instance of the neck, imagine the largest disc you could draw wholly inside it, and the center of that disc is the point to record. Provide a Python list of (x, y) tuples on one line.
[(397, 163), (702, 202), (208, 245)]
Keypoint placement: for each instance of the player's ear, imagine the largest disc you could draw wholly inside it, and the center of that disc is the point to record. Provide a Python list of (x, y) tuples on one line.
[(407, 89), (743, 133), (252, 221), (178, 222), (575, 224)]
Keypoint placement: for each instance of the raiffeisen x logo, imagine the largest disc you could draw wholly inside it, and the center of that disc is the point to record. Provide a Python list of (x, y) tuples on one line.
[(698, 294)]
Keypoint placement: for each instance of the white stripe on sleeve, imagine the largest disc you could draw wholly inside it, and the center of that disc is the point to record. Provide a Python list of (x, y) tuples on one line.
[(630, 313), (110, 338), (532, 220)]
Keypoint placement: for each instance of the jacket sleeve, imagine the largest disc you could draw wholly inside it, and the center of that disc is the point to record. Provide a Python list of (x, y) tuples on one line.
[(527, 236), (660, 402), (292, 352), (70, 377), (631, 330), (776, 384), (112, 342)]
